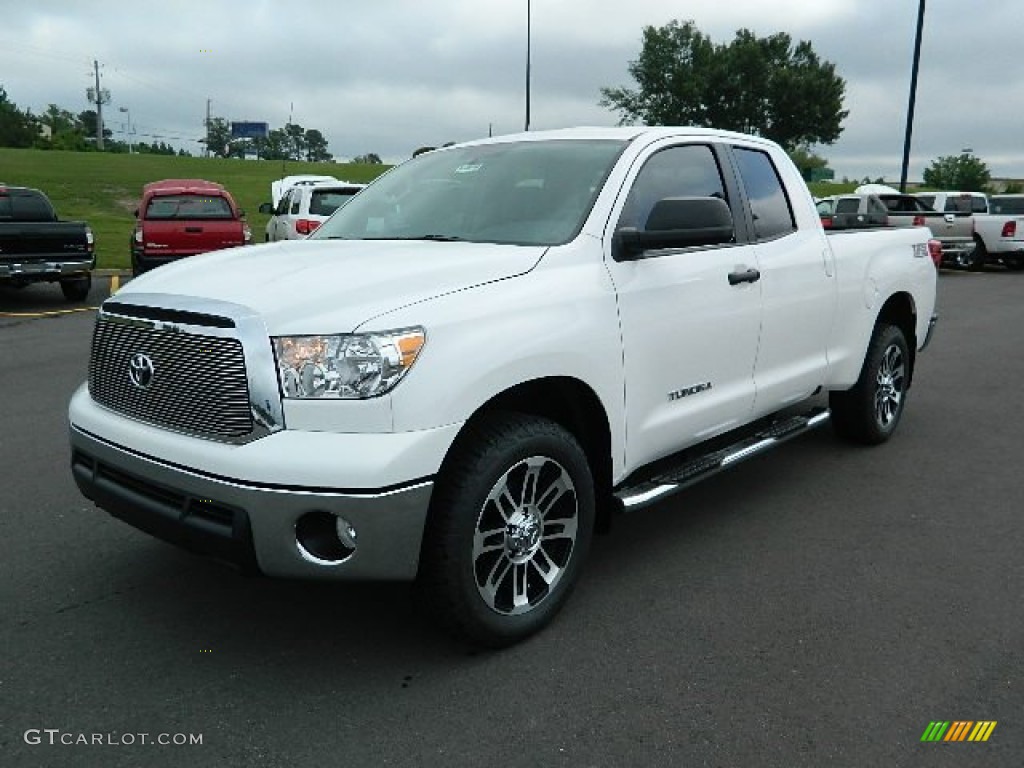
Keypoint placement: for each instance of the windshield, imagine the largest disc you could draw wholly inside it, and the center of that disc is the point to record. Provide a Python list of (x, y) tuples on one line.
[(526, 193)]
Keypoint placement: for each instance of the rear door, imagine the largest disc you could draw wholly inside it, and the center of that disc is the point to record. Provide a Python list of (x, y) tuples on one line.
[(797, 284), (689, 335)]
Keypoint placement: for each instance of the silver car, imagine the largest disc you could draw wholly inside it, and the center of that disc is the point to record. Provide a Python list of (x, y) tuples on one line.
[(305, 207)]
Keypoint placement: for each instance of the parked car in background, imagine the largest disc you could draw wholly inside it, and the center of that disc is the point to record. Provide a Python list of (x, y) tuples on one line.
[(1000, 234), (177, 218), (954, 229), (36, 246), (852, 211), (279, 187), (305, 207), (955, 202)]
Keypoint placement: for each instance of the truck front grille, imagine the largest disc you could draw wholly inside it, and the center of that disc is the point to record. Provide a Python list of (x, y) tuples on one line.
[(184, 382)]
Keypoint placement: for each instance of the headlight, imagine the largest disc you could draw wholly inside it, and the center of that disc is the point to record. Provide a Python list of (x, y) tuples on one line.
[(348, 366)]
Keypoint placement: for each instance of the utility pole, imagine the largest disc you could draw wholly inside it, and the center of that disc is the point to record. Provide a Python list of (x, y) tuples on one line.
[(99, 97), (913, 97), (527, 65), (207, 142)]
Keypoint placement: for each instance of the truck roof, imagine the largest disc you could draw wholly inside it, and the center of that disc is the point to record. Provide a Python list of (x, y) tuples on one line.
[(183, 186)]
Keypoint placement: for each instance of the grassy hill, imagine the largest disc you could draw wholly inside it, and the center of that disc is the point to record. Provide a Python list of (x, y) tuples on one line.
[(104, 189)]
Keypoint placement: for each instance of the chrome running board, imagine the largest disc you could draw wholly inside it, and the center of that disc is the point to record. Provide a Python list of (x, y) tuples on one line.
[(693, 469)]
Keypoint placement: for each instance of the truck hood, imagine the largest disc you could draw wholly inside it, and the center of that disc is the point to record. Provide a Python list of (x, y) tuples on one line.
[(332, 286)]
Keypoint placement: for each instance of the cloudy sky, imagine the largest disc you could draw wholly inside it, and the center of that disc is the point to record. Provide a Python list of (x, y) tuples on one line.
[(388, 76)]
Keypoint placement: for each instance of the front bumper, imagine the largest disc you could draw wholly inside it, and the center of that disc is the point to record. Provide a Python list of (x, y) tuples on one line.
[(249, 524)]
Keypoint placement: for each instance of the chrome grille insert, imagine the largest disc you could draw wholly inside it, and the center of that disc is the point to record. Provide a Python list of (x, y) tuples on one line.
[(198, 383)]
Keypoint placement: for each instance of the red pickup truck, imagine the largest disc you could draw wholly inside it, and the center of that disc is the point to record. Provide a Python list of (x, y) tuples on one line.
[(184, 217)]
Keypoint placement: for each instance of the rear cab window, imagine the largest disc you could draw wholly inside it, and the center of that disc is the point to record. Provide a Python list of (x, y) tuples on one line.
[(175, 207)]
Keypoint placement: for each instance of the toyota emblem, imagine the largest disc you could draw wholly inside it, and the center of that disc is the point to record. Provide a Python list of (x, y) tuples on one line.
[(140, 370)]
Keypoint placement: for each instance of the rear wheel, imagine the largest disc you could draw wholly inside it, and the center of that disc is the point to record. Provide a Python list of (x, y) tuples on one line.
[(510, 525), (870, 412), (979, 257), (77, 288)]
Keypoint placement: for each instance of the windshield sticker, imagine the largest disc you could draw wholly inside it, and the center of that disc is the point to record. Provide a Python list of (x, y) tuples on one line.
[(469, 168)]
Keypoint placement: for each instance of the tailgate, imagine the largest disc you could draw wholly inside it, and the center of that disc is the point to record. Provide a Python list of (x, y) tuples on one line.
[(28, 240), (185, 238)]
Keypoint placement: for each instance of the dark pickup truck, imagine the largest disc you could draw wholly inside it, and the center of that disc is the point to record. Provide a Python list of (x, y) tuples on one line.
[(36, 246)]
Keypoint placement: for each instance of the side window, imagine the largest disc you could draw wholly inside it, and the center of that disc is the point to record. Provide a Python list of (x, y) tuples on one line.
[(848, 205), (768, 202), (282, 204), (686, 171), (877, 206), (296, 200)]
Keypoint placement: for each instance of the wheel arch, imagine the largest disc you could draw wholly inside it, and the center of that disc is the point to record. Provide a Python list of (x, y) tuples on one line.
[(900, 310), (572, 404)]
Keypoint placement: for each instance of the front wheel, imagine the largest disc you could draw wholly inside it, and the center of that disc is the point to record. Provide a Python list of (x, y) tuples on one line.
[(76, 289), (510, 525), (870, 412)]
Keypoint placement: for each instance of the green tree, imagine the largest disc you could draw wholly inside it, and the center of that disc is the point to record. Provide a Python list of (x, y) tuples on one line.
[(764, 86), (316, 147), (218, 137), (371, 158), (964, 172), (17, 128), (807, 162)]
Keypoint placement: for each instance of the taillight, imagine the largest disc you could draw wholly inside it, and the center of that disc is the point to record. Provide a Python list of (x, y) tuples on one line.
[(305, 226), (935, 251), (1009, 229), (138, 236), (90, 239), (919, 221), (826, 222)]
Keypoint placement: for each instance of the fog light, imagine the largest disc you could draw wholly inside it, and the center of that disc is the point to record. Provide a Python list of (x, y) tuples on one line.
[(325, 539)]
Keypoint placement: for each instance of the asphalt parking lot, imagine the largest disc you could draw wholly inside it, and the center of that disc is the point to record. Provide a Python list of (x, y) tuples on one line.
[(820, 605)]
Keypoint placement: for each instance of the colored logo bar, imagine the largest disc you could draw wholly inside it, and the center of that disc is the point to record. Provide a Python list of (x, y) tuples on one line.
[(958, 730)]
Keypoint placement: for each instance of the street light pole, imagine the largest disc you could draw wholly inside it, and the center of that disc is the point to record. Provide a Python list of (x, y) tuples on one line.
[(527, 65), (913, 97), (128, 129)]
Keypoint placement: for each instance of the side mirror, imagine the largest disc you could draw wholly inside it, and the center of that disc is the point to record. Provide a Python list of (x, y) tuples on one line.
[(677, 222), (135, 213), (266, 208)]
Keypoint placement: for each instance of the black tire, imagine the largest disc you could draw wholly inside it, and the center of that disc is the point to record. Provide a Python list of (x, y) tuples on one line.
[(870, 412), (499, 561), (980, 256), (77, 288)]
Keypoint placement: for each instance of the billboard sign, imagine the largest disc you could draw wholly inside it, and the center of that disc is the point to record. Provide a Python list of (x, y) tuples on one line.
[(249, 130)]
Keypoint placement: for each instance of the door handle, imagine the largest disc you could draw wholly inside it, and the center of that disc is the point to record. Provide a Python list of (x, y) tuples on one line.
[(193, 229), (749, 276)]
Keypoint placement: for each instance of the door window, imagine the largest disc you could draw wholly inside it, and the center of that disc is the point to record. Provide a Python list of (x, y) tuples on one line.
[(686, 171), (769, 205)]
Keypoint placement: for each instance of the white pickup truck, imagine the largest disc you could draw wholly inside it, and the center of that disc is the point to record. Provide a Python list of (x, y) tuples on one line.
[(471, 367), (1000, 234)]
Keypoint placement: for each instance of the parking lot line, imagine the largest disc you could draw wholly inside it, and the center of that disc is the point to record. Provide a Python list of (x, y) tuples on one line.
[(51, 313)]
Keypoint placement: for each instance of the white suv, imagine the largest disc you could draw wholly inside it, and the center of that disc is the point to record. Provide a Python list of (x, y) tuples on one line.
[(305, 207)]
